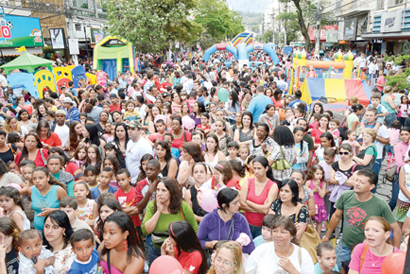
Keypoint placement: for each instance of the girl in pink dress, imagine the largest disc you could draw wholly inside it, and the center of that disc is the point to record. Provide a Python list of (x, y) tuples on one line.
[(311, 73), (316, 182)]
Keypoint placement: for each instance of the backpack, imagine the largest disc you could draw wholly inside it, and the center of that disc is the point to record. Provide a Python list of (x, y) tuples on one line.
[(391, 168)]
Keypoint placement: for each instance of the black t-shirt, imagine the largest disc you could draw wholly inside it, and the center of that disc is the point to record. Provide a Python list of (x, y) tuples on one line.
[(348, 173), (12, 264), (8, 156), (303, 216)]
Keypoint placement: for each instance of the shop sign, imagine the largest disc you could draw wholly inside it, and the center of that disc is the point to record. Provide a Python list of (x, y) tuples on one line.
[(350, 28), (323, 30), (377, 41), (2, 13), (391, 21), (18, 31), (97, 34)]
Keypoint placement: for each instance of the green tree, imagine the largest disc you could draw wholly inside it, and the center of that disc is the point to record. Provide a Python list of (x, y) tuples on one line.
[(151, 25), (218, 20), (290, 24)]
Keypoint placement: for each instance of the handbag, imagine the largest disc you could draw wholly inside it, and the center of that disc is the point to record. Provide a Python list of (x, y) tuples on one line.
[(281, 164), (310, 238), (158, 237)]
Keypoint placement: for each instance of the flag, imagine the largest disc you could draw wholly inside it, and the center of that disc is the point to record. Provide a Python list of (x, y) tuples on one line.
[(20, 49)]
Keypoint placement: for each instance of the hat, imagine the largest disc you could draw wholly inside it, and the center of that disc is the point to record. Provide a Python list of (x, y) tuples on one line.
[(134, 124), (110, 84), (68, 100), (60, 111), (165, 94)]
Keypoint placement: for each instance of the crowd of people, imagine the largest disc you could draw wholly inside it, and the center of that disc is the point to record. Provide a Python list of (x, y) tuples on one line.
[(109, 178)]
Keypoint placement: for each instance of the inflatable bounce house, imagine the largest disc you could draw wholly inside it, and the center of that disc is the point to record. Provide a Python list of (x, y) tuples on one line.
[(29, 77), (240, 47), (114, 55)]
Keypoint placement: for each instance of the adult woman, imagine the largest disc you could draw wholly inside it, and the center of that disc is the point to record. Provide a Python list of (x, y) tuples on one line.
[(7, 151), (368, 151), (270, 118), (321, 128), (381, 81), (262, 143), (169, 166), (120, 241), (57, 233), (41, 110), (288, 204), (121, 137), (281, 255), (69, 166), (223, 137), (387, 102), (197, 109), (9, 236), (400, 185), (317, 109), (75, 136), (185, 109), (283, 149), (167, 207), (199, 173), (237, 124), (46, 194), (183, 245), (212, 111), (93, 110), (227, 259), (212, 152), (306, 196), (245, 134), (33, 150), (147, 118), (180, 135), (177, 78), (233, 106), (191, 153), (258, 194), (13, 125), (246, 100), (225, 223), (176, 102), (104, 116), (353, 118), (377, 248), (277, 98), (48, 138), (90, 133)]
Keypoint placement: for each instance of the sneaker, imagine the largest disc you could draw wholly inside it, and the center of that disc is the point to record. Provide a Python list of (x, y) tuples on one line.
[(324, 228), (146, 267)]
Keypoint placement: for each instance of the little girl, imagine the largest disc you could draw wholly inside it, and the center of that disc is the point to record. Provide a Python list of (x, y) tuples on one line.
[(93, 157), (243, 153), (80, 156), (87, 207), (91, 173), (302, 155), (249, 166), (311, 73), (205, 125), (144, 160), (112, 162), (316, 182), (351, 140), (404, 110), (108, 132), (11, 204)]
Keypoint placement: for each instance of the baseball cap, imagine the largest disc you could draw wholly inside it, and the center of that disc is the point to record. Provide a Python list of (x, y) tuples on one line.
[(165, 94), (60, 111), (109, 84), (134, 124), (68, 100)]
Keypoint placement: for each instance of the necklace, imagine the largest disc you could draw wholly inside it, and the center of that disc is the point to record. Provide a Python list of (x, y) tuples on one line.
[(374, 262)]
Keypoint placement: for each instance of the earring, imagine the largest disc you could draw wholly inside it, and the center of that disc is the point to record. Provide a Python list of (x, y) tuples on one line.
[(125, 245), (64, 234)]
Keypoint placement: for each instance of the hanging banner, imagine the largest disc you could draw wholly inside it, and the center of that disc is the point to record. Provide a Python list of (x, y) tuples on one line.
[(73, 46), (18, 31), (57, 38)]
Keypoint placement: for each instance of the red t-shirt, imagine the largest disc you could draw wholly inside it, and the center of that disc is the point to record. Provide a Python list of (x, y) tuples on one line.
[(141, 190), (39, 160), (53, 140), (127, 200), (189, 261), (177, 143), (164, 85), (115, 108), (316, 135), (71, 168)]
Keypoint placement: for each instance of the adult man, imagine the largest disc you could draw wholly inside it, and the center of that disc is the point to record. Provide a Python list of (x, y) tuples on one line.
[(122, 81), (59, 127), (110, 90), (301, 122), (259, 103), (72, 112), (298, 100), (72, 89), (281, 84), (356, 206), (189, 84), (137, 147)]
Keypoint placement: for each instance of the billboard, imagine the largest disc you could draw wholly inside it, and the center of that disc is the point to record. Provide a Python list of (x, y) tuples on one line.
[(350, 30), (391, 21), (57, 38), (18, 31), (323, 30)]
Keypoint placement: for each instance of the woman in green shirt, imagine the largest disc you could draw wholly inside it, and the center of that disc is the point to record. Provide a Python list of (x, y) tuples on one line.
[(353, 122), (167, 207), (368, 152)]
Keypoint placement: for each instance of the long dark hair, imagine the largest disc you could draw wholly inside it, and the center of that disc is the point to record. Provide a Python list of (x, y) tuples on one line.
[(186, 239), (264, 162), (174, 194), (127, 138), (111, 203), (165, 145), (24, 153), (118, 153), (213, 136), (60, 218), (329, 136), (283, 136), (247, 113), (60, 152), (194, 150), (147, 157), (94, 138), (43, 123), (114, 161), (235, 99), (52, 180), (294, 188), (73, 136)]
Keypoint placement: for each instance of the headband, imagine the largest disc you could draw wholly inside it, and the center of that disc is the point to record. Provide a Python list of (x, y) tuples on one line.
[(172, 231), (220, 166)]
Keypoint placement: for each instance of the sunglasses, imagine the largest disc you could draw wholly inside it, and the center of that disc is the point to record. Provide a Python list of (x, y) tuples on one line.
[(344, 153)]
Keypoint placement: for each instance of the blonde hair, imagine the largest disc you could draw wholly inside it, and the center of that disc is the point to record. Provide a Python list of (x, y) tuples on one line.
[(237, 256), (354, 100), (7, 127), (385, 224), (371, 132)]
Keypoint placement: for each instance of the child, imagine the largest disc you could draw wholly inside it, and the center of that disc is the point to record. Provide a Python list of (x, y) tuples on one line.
[(54, 164), (326, 255), (112, 149), (328, 159), (93, 157), (126, 196), (170, 139), (112, 162), (233, 148), (334, 130), (351, 139), (80, 156), (70, 206), (130, 114), (31, 249), (302, 155), (243, 153), (104, 185), (91, 173), (10, 202), (87, 207), (381, 112), (315, 123), (27, 167), (144, 160), (266, 236), (404, 110), (205, 125), (394, 135), (145, 189), (87, 258), (249, 166), (13, 168), (315, 181)]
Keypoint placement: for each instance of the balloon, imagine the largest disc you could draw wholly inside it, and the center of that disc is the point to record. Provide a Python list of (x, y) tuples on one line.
[(223, 95), (166, 265), (394, 263), (29, 108), (188, 123), (208, 200)]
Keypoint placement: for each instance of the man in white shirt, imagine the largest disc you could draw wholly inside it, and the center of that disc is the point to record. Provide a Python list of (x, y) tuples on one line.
[(3, 80), (61, 129), (189, 84), (137, 147), (281, 84)]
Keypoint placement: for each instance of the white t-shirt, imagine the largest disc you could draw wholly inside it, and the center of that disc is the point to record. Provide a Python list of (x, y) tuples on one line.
[(134, 153), (3, 81), (63, 132), (264, 260), (383, 133)]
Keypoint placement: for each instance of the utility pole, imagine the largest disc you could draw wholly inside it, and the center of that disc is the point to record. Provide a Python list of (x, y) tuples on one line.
[(318, 19)]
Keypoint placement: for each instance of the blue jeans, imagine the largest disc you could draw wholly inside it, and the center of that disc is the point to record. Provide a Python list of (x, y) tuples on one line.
[(394, 193), (376, 168), (153, 252), (255, 231), (343, 254), (390, 118)]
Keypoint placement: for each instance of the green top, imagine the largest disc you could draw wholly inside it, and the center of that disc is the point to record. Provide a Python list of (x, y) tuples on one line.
[(386, 104), (353, 118), (166, 219), (356, 213)]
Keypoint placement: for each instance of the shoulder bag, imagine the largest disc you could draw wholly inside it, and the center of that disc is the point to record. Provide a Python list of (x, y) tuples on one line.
[(281, 164)]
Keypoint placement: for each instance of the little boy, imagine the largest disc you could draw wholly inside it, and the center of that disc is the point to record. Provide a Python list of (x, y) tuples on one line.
[(87, 258), (70, 206), (145, 189), (34, 257), (334, 130), (326, 256), (131, 114), (126, 196), (233, 148), (381, 112), (104, 186), (266, 236)]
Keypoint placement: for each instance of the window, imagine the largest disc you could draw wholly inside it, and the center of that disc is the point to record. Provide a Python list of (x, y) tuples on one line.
[(396, 2), (78, 27), (380, 5)]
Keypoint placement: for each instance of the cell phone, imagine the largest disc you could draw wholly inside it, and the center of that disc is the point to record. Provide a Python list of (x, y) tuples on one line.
[(34, 260)]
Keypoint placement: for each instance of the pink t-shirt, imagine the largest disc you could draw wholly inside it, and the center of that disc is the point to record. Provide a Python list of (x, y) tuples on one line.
[(380, 81), (255, 219)]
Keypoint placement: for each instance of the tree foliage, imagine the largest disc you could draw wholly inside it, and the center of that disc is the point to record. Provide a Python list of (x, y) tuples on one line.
[(151, 25), (290, 24)]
